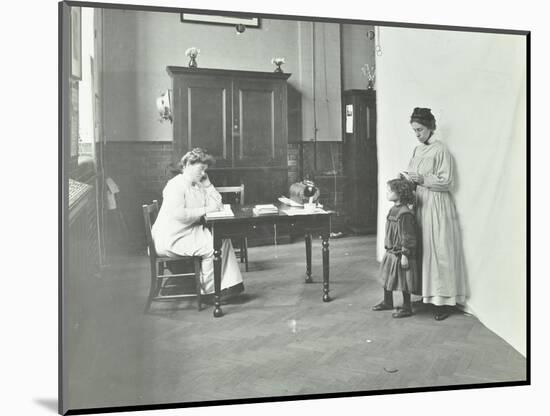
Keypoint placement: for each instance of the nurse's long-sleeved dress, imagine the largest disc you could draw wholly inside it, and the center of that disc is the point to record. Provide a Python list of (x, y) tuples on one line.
[(441, 258), (178, 231)]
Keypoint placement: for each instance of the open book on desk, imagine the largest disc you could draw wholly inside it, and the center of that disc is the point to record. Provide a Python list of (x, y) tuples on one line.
[(225, 212)]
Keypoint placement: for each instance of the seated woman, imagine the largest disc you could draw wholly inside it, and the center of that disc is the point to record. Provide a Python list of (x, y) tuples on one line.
[(178, 230)]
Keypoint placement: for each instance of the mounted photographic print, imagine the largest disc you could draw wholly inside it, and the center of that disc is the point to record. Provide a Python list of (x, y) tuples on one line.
[(353, 222)]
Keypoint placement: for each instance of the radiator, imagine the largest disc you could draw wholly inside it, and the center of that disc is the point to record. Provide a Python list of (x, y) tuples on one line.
[(82, 240)]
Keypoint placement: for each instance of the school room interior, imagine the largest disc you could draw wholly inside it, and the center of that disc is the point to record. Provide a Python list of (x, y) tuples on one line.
[(276, 101)]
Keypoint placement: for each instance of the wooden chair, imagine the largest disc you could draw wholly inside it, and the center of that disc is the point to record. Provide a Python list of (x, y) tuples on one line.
[(159, 264), (241, 250)]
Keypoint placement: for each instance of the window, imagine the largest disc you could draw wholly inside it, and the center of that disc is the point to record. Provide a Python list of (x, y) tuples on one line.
[(86, 87)]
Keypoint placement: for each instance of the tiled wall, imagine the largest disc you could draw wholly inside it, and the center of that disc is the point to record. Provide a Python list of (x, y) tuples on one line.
[(140, 169)]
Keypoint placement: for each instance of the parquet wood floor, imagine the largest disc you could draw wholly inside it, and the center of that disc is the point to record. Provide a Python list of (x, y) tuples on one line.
[(276, 339)]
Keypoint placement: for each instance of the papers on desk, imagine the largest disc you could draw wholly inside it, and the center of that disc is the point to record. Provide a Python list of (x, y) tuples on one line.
[(225, 212), (301, 211), (288, 201), (265, 209)]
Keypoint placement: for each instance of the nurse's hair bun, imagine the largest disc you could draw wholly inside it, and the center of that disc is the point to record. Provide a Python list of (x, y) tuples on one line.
[(423, 116)]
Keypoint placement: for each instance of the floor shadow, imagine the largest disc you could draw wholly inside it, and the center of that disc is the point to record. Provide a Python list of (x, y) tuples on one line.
[(50, 404), (242, 298), (259, 265), (421, 309), (238, 299)]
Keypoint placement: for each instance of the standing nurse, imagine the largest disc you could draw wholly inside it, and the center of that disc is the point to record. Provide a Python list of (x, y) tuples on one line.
[(440, 257)]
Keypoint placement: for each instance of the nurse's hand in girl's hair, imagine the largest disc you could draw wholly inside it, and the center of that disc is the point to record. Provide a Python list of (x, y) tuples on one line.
[(404, 262), (415, 177), (404, 175)]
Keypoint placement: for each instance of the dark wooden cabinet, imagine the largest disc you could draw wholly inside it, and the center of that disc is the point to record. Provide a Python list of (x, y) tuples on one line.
[(259, 122), (202, 116), (360, 161), (240, 117)]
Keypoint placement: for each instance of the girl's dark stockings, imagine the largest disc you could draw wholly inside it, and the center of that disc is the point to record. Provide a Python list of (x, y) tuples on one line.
[(407, 301)]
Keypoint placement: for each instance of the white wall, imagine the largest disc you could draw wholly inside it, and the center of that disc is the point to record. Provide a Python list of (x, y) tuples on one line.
[(475, 85), (357, 50)]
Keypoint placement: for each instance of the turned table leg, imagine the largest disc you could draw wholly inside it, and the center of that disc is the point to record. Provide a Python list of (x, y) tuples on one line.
[(217, 276), (325, 237), (308, 258)]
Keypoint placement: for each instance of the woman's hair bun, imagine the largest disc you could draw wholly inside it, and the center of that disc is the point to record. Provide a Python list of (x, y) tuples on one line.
[(197, 155), (422, 111), (423, 116)]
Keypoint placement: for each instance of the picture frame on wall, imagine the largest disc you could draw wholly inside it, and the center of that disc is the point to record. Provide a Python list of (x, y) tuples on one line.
[(76, 43), (253, 22)]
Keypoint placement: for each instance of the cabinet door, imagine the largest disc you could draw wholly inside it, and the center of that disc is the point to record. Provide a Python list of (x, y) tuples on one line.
[(259, 127), (203, 116)]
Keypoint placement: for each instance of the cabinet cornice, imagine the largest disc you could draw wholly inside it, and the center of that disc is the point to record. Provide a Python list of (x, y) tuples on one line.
[(174, 70)]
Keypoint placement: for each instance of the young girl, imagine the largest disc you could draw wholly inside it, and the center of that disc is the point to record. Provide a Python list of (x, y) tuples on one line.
[(398, 270)]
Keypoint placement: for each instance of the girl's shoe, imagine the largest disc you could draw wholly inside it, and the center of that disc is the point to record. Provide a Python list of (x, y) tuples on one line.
[(382, 306), (402, 313)]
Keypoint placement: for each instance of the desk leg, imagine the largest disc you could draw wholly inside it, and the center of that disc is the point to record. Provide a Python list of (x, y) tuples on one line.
[(308, 258), (217, 276), (325, 237)]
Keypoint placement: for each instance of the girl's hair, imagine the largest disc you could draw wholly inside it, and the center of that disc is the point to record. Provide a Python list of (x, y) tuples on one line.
[(423, 116), (197, 155), (404, 189)]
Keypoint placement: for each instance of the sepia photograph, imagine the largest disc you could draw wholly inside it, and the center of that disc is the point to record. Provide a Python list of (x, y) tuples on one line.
[(260, 207)]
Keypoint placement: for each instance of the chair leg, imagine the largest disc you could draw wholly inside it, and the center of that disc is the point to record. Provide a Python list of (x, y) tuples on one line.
[(160, 280), (152, 289), (197, 262), (241, 250)]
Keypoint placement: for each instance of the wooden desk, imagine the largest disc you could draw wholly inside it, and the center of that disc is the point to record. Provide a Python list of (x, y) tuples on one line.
[(245, 221)]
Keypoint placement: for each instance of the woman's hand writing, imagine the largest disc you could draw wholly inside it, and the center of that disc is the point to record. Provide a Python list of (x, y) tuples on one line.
[(213, 206), (210, 208)]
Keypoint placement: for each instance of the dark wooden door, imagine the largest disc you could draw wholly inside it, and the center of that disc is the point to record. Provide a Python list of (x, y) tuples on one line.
[(259, 122), (360, 161), (203, 116)]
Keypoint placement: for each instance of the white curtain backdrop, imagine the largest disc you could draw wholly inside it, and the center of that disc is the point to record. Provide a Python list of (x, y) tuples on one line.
[(475, 84)]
